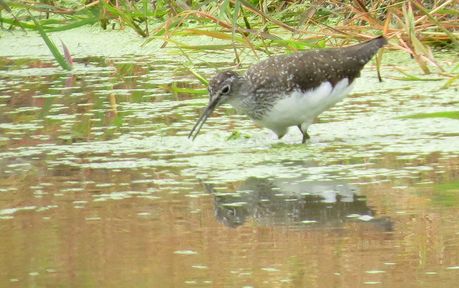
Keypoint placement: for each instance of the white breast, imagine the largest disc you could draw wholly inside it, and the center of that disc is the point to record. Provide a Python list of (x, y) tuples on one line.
[(301, 108)]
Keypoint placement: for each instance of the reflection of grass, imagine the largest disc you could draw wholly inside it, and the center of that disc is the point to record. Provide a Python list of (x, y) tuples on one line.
[(446, 114), (448, 186), (446, 194)]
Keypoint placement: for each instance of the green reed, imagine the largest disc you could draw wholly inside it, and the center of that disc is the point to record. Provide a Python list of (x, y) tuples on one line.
[(412, 26)]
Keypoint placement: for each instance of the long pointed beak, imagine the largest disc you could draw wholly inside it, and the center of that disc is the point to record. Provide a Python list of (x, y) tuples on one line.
[(202, 119)]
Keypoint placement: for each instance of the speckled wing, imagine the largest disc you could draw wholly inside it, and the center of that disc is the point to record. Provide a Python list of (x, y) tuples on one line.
[(307, 70)]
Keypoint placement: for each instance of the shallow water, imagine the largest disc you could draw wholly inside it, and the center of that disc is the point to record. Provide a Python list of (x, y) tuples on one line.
[(100, 187)]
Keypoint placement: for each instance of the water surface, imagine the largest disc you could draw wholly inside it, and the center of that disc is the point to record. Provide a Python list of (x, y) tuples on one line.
[(100, 187)]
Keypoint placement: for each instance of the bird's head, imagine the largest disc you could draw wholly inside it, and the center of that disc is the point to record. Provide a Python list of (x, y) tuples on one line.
[(222, 88)]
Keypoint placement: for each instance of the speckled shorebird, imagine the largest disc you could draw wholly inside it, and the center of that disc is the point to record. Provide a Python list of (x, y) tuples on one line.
[(290, 90)]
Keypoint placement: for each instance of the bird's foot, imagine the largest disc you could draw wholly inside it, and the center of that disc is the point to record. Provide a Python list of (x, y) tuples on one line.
[(305, 135)]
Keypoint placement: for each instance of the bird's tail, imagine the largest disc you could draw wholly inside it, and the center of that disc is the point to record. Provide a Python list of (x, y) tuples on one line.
[(379, 41), (375, 43), (368, 49)]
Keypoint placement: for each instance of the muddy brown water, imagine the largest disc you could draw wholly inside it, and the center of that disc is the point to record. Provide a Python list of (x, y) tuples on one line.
[(100, 187)]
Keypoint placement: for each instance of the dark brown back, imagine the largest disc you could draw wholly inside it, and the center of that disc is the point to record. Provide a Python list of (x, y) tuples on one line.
[(307, 70)]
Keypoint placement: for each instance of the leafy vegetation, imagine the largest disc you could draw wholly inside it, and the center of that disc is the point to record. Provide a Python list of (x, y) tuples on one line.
[(446, 194), (413, 26), (445, 114)]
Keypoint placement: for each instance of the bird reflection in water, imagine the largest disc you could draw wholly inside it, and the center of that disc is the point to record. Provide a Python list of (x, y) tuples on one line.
[(292, 202)]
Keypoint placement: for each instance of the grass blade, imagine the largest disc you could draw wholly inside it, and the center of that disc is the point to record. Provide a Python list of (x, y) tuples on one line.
[(445, 114), (67, 55), (51, 46), (436, 22), (198, 76)]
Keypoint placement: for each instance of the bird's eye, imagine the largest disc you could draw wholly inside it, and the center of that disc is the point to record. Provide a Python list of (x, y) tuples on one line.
[(226, 89)]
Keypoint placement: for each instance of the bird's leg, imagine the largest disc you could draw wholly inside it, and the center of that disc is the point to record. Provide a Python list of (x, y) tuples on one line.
[(305, 135)]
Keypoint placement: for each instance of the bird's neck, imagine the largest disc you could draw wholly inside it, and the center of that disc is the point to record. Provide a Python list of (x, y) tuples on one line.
[(242, 99)]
